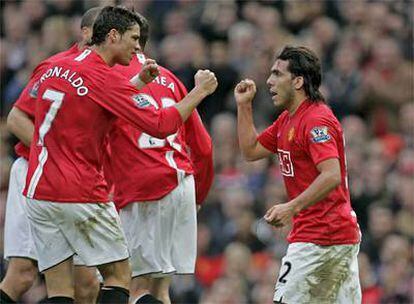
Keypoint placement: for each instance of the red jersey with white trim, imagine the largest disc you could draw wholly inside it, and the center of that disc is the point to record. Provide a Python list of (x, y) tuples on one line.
[(311, 135), (25, 102), (78, 100), (146, 168)]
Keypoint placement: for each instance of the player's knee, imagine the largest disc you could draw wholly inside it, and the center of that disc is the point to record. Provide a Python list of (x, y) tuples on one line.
[(161, 289), (141, 284), (87, 290), (116, 274), (26, 275), (123, 274)]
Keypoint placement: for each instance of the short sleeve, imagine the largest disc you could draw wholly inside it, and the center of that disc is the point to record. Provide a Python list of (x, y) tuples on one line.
[(27, 98), (321, 136), (268, 138)]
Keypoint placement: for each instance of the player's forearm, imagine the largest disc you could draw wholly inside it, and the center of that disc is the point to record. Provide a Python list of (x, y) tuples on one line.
[(20, 125), (246, 132), (137, 82), (187, 105), (317, 191)]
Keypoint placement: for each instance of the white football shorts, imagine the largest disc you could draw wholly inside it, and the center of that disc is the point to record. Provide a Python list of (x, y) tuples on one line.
[(313, 274), (162, 235), (18, 240), (92, 231)]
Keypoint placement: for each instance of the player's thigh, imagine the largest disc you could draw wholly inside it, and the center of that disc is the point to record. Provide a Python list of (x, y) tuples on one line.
[(94, 232), (86, 277), (147, 225), (313, 274), (350, 290), (51, 245), (18, 240), (59, 280), (184, 236)]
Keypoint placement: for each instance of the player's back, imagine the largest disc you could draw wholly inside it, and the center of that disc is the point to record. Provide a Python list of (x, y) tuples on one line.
[(66, 157), (136, 155), (26, 100)]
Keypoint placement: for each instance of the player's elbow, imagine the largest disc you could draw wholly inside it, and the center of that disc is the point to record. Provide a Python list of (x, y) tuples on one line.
[(163, 132), (250, 156), (334, 179), (12, 121)]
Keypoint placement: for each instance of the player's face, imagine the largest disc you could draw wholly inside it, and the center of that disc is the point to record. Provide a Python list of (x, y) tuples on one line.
[(86, 34), (280, 83), (128, 45)]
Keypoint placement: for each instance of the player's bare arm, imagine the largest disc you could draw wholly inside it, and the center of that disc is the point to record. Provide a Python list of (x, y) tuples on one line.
[(328, 179), (205, 84), (19, 124), (251, 149), (147, 74)]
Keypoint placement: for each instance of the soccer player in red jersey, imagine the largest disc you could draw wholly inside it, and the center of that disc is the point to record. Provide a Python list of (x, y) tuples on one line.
[(18, 243), (320, 265), (78, 101), (154, 187)]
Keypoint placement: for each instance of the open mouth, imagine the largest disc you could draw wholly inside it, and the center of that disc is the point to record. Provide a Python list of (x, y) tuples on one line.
[(273, 93)]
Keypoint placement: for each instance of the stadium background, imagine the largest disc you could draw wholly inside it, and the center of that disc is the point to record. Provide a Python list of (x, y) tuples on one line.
[(366, 49)]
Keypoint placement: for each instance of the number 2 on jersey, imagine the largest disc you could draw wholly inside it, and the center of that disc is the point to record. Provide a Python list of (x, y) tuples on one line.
[(146, 141)]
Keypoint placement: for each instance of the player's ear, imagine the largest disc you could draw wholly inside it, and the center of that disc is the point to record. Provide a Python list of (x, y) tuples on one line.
[(113, 35), (298, 82), (86, 33)]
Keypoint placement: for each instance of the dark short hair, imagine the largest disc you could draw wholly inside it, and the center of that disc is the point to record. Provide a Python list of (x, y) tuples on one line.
[(304, 62), (144, 31), (89, 17), (113, 17)]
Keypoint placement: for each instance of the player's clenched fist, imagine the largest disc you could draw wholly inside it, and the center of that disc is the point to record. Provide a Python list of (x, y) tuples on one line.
[(149, 71), (244, 91), (206, 80)]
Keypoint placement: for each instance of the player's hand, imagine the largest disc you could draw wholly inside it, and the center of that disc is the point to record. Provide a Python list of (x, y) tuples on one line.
[(206, 81), (149, 71), (244, 92), (280, 215)]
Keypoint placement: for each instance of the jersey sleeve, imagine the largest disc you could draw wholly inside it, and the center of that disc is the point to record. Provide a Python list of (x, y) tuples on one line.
[(321, 135), (123, 100), (201, 152), (201, 149), (27, 98), (268, 138)]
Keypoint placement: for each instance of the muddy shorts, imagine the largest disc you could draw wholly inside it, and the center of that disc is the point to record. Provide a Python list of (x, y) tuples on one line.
[(61, 230), (162, 235), (311, 273)]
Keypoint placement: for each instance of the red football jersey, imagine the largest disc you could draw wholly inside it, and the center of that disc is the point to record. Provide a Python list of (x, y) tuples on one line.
[(311, 135), (79, 98), (145, 168), (25, 102)]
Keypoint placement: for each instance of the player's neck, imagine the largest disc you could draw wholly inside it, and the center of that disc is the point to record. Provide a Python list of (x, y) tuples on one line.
[(105, 53), (298, 99)]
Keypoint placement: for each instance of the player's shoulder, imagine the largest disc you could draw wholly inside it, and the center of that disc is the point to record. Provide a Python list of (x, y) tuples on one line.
[(320, 114), (282, 116), (84, 71), (319, 110), (72, 51)]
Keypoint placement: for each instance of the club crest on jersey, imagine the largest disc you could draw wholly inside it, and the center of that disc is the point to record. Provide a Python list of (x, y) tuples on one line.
[(320, 134), (141, 101)]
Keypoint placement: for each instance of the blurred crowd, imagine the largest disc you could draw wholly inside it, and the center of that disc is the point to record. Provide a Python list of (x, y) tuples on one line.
[(366, 48)]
